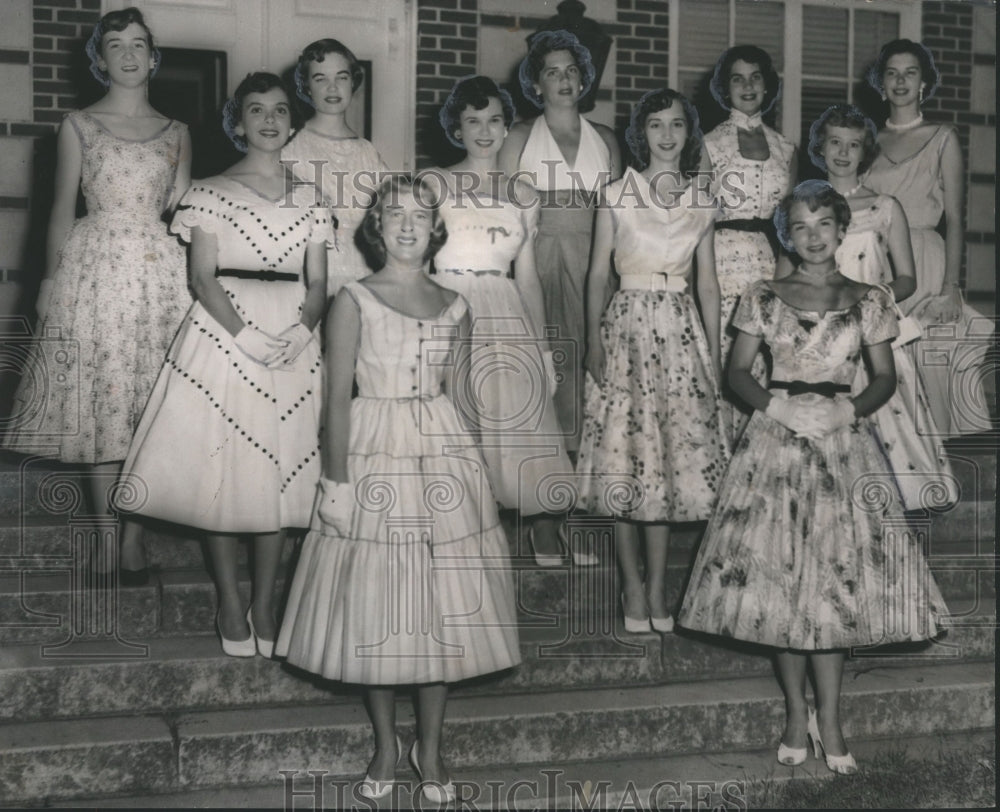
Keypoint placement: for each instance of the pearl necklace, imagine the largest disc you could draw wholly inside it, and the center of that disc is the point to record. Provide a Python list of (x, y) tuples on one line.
[(897, 128), (854, 191)]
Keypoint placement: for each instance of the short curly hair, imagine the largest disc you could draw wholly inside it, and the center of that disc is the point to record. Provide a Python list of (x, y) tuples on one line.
[(851, 117), (544, 43), (368, 237), (753, 55), (815, 194), (118, 21), (928, 70), (653, 102), (232, 112), (317, 52), (474, 92)]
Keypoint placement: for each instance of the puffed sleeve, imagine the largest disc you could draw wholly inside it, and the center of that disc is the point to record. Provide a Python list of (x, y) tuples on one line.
[(749, 316), (199, 207), (878, 317)]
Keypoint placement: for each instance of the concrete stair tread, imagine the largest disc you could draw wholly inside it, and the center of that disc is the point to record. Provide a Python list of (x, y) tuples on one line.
[(719, 693), (609, 781), (237, 747), (17, 736)]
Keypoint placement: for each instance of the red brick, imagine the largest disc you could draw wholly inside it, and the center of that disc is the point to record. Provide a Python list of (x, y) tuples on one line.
[(436, 57), (77, 17), (43, 43), (458, 17), (41, 13), (456, 71), (438, 28), (635, 17), (41, 72), (57, 29), (455, 44), (41, 101), (52, 58)]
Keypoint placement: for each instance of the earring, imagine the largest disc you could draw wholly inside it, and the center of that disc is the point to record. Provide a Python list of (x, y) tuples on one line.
[(920, 100), (884, 97), (458, 135)]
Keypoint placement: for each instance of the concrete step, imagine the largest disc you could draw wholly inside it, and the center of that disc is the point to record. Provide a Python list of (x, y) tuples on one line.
[(88, 758), (734, 779), (191, 673), (36, 605)]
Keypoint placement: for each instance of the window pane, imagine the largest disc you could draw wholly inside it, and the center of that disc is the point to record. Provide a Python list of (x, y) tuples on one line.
[(704, 28), (824, 41), (872, 29), (762, 24)]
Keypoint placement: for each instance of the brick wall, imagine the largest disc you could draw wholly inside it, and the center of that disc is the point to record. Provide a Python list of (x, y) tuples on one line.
[(61, 27), (947, 30), (641, 56), (448, 45), (51, 34)]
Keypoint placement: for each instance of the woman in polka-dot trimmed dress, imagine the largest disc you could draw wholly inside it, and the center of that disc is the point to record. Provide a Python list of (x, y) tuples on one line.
[(229, 440)]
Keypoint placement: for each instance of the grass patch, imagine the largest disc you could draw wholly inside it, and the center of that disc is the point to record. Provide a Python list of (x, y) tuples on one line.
[(954, 776)]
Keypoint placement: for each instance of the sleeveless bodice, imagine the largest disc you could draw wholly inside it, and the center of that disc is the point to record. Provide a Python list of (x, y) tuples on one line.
[(123, 179), (916, 181), (864, 254), (400, 356), (482, 235)]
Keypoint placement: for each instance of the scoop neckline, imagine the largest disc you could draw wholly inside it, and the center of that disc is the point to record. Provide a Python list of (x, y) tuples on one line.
[(825, 313), (395, 309), (152, 137)]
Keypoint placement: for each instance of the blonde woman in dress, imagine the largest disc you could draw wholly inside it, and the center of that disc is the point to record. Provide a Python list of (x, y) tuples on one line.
[(876, 251), (404, 578), (802, 561)]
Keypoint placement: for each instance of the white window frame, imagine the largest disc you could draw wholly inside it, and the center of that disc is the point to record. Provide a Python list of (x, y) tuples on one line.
[(910, 20)]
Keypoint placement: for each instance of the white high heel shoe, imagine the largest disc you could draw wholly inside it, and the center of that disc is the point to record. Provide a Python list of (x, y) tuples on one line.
[(842, 765), (434, 792), (264, 647), (373, 788)]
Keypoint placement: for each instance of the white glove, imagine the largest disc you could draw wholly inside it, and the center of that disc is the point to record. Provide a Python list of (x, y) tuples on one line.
[(336, 506), (258, 345), (297, 336), (802, 419), (837, 414), (550, 372), (44, 298), (945, 308)]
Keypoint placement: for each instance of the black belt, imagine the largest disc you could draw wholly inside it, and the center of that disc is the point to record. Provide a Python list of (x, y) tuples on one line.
[(759, 225), (264, 276), (827, 389)]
